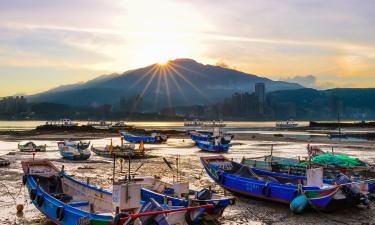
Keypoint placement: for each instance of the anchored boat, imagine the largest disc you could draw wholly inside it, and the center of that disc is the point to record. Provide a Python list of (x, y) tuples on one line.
[(211, 136), (31, 147), (284, 188), (179, 194), (67, 201), (74, 150), (100, 125), (154, 138), (210, 146)]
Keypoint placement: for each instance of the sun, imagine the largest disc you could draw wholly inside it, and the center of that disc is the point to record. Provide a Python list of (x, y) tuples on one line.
[(163, 62)]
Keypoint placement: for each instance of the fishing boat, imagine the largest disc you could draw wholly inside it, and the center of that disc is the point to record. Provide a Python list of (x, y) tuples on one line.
[(119, 151), (193, 123), (213, 146), (290, 189), (297, 166), (62, 123), (100, 125), (179, 194), (119, 125), (210, 136), (286, 124), (4, 162), (154, 138), (74, 150), (31, 147), (67, 201)]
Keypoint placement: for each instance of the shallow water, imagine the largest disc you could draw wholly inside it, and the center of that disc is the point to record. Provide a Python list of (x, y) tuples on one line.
[(246, 211)]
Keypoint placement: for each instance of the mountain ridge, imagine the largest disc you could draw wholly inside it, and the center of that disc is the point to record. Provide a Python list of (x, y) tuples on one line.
[(182, 81)]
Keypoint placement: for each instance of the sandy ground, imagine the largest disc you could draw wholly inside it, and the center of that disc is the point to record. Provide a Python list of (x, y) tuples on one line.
[(246, 211)]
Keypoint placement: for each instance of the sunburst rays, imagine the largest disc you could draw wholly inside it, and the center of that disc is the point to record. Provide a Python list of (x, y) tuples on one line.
[(165, 78)]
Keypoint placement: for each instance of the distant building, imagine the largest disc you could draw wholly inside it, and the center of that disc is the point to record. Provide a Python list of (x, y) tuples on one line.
[(260, 93), (13, 105)]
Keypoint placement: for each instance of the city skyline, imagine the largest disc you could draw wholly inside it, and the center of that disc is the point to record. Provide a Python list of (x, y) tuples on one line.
[(320, 44)]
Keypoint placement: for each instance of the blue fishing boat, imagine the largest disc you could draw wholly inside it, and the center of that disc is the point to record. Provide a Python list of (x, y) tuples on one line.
[(74, 151), (200, 136), (212, 146), (67, 201), (179, 194), (154, 138), (283, 188), (210, 136)]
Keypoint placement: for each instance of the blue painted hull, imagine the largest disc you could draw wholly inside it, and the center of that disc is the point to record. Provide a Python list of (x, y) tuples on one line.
[(146, 139), (72, 215), (213, 148), (321, 198), (220, 204), (200, 137)]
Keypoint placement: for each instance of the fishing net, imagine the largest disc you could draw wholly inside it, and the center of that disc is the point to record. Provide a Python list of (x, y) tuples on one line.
[(337, 160)]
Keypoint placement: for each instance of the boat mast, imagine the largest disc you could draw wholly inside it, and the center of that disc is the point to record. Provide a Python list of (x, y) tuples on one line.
[(338, 120)]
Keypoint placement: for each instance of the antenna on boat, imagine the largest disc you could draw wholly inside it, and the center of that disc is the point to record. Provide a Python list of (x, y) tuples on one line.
[(129, 157)]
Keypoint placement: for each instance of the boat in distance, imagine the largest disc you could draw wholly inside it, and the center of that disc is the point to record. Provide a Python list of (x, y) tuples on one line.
[(153, 138), (74, 150)]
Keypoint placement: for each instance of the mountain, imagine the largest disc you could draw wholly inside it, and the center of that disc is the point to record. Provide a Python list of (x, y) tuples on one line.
[(180, 82)]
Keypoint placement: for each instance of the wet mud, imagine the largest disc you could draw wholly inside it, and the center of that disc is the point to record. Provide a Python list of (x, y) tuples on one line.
[(99, 170)]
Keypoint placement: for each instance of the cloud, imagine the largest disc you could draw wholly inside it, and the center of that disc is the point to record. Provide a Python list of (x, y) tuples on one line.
[(306, 81)]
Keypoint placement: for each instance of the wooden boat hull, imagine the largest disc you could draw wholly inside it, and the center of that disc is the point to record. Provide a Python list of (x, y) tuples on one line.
[(321, 198), (118, 153)]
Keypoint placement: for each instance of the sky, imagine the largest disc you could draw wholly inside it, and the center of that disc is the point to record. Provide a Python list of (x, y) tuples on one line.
[(318, 43)]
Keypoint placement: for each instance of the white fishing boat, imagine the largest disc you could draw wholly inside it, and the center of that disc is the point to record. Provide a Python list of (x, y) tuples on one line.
[(119, 124), (31, 147), (193, 123), (62, 123), (101, 125), (286, 124), (74, 150)]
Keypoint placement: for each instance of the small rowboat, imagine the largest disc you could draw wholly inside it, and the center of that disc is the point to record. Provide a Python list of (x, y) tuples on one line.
[(74, 151), (283, 188), (4, 162), (118, 151), (67, 201), (179, 194), (212, 147), (154, 138), (31, 147)]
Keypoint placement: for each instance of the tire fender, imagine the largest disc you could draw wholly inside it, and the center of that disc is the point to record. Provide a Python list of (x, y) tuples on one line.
[(266, 190), (39, 200), (32, 194), (24, 179), (60, 213)]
